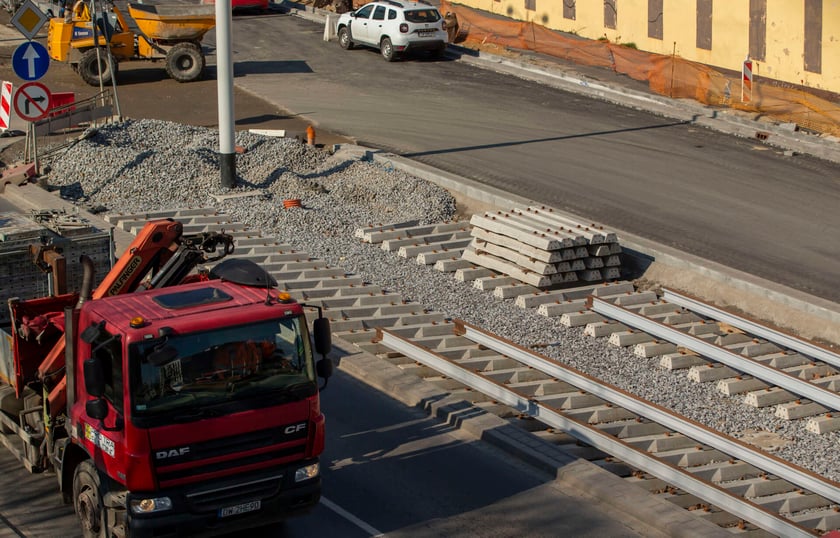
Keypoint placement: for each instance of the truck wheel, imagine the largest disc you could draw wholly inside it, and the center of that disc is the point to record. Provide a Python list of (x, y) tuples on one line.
[(344, 39), (87, 500), (185, 62), (90, 67)]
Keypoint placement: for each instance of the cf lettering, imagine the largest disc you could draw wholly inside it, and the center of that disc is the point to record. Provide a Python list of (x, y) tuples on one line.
[(295, 428)]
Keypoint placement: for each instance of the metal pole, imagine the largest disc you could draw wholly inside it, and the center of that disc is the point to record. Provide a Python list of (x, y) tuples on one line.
[(34, 148), (92, 11), (673, 64), (224, 83), (111, 66)]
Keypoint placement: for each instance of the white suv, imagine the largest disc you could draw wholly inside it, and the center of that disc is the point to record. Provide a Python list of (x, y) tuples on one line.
[(394, 27)]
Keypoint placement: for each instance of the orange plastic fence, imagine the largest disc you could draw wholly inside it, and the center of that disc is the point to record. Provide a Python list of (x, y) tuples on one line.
[(666, 75)]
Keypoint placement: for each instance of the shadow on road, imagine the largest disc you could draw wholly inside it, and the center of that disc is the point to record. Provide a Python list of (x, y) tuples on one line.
[(241, 69), (536, 140)]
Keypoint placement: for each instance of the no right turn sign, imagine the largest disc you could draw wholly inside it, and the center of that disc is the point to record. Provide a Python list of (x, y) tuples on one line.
[(32, 101)]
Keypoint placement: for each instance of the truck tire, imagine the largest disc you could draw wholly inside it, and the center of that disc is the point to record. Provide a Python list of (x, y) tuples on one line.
[(90, 67), (87, 500), (185, 62)]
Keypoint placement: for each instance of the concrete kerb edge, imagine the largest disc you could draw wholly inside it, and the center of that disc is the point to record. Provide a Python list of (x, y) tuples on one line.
[(569, 472)]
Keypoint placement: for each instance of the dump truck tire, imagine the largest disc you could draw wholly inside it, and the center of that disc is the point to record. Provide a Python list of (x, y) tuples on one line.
[(87, 500), (89, 67), (185, 62)]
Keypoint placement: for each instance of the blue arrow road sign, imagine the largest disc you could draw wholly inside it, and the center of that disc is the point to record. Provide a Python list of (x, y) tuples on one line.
[(30, 60)]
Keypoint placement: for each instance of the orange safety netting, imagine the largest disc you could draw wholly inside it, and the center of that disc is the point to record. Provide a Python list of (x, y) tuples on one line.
[(666, 75)]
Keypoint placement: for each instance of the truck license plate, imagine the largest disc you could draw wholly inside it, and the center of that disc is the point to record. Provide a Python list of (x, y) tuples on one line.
[(239, 509)]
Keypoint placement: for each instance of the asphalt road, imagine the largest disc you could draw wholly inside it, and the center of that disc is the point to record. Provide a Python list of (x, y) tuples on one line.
[(387, 469), (730, 200)]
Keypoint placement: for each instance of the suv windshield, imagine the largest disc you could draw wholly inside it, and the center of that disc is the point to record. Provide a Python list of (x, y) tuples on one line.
[(192, 371), (422, 15)]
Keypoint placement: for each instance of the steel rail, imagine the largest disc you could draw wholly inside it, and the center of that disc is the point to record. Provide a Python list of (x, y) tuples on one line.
[(694, 430), (673, 474), (789, 341), (777, 377)]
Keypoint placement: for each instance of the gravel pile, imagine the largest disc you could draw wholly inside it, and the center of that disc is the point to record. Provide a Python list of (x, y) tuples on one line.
[(144, 165)]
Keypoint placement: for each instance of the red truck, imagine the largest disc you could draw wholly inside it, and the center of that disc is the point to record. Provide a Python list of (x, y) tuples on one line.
[(170, 402)]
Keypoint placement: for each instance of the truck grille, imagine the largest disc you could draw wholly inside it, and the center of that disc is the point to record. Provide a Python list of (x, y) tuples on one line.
[(229, 455), (213, 499)]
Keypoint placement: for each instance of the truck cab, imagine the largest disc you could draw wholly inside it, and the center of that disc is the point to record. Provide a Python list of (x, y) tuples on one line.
[(199, 408)]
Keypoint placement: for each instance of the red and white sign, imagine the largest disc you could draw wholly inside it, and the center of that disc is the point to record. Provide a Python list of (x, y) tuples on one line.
[(746, 80), (5, 104), (32, 101)]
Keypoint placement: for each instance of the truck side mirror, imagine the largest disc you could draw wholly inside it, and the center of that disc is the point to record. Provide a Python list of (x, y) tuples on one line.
[(322, 335), (324, 367), (97, 409), (162, 356), (94, 377)]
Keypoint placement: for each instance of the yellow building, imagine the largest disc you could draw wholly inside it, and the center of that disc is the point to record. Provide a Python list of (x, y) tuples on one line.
[(791, 41)]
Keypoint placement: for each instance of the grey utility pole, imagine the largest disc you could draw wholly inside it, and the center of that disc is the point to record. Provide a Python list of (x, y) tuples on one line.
[(224, 83)]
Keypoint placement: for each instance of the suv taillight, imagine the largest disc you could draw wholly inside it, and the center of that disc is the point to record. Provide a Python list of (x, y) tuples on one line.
[(403, 28)]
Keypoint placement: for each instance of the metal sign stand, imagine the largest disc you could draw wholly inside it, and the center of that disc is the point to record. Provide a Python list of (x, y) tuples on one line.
[(30, 148)]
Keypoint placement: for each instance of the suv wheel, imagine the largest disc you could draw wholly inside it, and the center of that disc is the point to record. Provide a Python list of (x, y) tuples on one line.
[(344, 39), (387, 50)]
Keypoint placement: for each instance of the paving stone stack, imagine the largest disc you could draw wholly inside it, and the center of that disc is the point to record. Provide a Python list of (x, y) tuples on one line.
[(542, 248)]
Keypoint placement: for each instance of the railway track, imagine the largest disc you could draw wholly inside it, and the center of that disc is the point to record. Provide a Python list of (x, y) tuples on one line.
[(718, 477), (766, 366), (800, 379), (721, 474)]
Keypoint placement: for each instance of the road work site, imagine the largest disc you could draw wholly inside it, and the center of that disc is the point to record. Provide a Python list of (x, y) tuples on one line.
[(138, 170), (307, 216)]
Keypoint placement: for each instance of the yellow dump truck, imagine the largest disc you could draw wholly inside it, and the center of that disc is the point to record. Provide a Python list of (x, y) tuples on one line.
[(171, 33)]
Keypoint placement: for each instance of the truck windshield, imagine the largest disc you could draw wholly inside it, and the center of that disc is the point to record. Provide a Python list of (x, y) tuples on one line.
[(234, 364)]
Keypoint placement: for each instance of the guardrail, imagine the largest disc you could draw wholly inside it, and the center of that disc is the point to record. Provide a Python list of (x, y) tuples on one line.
[(74, 115)]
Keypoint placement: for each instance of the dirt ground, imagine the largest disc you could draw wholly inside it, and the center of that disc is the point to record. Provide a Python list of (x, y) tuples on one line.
[(145, 91)]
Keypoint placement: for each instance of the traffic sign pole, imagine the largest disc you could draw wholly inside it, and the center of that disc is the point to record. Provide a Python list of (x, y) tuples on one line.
[(30, 61)]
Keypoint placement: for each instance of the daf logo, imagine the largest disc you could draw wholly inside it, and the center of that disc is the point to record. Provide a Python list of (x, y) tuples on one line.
[(172, 453), (294, 428)]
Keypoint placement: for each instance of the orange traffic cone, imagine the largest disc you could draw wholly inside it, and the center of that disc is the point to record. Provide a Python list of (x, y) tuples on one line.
[(310, 135)]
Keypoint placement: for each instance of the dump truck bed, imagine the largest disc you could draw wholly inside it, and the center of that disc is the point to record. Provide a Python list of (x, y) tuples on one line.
[(173, 21)]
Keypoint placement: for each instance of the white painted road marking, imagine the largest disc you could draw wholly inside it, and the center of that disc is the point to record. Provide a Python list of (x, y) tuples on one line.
[(350, 517)]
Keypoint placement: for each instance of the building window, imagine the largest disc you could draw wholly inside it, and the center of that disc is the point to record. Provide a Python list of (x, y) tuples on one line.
[(813, 35), (655, 19), (704, 24), (758, 29), (610, 14), (530, 5), (569, 9)]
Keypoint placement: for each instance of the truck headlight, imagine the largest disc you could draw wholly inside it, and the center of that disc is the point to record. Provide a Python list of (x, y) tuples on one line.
[(151, 505), (305, 473)]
